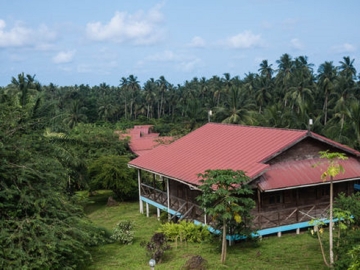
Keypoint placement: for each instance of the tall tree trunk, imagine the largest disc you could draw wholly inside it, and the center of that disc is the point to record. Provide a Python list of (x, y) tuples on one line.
[(223, 246), (325, 109)]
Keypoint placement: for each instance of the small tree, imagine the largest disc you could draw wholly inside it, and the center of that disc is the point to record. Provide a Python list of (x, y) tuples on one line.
[(332, 170), (225, 197), (111, 172)]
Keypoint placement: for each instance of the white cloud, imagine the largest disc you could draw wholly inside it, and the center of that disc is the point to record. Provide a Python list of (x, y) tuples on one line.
[(183, 62), (296, 44), (343, 48), (197, 42), (63, 57), (166, 56), (139, 28), (190, 65), (20, 36), (244, 40)]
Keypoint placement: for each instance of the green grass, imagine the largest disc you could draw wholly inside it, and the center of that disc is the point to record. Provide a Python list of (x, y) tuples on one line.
[(290, 251)]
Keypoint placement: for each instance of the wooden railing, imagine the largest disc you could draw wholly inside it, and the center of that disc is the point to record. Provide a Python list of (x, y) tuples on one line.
[(269, 219), (262, 220), (187, 210)]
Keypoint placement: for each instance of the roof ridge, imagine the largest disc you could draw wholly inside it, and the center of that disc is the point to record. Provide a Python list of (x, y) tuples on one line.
[(260, 127)]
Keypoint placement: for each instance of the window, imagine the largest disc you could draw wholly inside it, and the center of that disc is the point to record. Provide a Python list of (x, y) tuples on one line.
[(276, 198)]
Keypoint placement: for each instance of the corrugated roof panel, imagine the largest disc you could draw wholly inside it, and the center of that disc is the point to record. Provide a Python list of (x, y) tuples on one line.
[(297, 173)]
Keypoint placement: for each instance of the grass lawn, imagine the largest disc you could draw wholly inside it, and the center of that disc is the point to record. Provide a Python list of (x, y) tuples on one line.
[(290, 251)]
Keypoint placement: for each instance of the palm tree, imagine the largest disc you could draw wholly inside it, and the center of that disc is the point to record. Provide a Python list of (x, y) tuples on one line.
[(266, 69), (238, 109), (284, 74), (133, 87), (263, 92), (353, 116), (124, 93), (163, 86), (75, 115), (347, 68), (326, 80), (106, 108), (25, 85), (150, 95)]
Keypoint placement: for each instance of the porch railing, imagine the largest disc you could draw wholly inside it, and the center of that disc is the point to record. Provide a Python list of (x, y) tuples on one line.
[(261, 220), (269, 219), (186, 210)]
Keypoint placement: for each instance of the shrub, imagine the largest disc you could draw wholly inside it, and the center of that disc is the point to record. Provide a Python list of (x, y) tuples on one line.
[(185, 231), (123, 232)]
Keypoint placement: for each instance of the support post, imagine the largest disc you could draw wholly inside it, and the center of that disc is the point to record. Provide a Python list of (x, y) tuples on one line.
[(147, 209), (141, 207), (158, 213), (168, 198)]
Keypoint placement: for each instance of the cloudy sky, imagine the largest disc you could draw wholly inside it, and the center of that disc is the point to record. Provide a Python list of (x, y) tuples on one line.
[(72, 42)]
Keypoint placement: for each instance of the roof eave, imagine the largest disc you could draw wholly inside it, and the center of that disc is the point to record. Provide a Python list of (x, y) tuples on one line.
[(308, 185), (192, 187)]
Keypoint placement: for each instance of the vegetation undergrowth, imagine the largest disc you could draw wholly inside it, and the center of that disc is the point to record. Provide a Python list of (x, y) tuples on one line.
[(291, 251)]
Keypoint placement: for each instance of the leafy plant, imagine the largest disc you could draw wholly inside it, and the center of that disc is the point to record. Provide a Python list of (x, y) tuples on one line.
[(111, 172), (123, 232), (185, 231)]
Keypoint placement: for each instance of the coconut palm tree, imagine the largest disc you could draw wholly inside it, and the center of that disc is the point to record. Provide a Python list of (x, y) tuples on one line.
[(133, 87), (162, 88), (327, 74), (266, 69), (75, 115), (284, 75), (238, 109), (347, 68)]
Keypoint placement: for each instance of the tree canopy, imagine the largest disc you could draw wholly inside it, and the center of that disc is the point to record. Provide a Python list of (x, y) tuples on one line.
[(225, 198)]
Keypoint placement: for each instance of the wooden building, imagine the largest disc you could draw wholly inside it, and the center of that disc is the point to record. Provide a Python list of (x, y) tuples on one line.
[(288, 189)]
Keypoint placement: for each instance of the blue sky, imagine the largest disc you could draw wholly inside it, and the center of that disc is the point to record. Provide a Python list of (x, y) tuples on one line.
[(91, 42)]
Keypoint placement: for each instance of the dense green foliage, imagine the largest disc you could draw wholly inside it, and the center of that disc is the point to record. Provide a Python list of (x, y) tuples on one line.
[(112, 172), (42, 227), (284, 94), (185, 232), (347, 243)]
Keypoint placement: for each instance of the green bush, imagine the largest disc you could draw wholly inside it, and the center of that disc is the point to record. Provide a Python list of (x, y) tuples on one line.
[(123, 232), (185, 231)]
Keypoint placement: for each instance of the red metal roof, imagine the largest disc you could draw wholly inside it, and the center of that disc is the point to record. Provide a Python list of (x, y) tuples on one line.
[(302, 173), (142, 140), (224, 146)]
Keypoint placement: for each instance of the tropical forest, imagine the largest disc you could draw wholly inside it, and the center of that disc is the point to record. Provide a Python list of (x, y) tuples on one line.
[(62, 158)]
